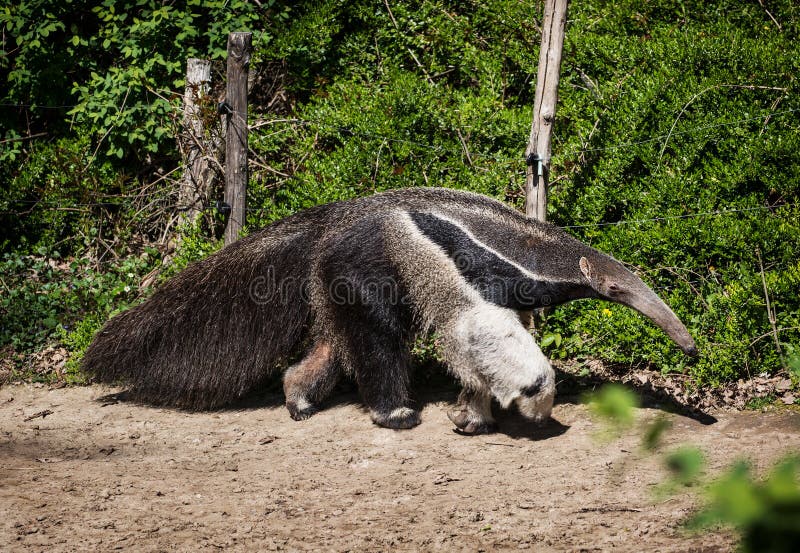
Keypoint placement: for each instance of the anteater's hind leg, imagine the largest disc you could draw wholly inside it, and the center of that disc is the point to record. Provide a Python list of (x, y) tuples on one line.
[(371, 337), (361, 309), (310, 381)]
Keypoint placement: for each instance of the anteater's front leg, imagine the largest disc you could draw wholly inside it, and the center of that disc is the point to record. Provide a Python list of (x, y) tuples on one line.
[(361, 309), (494, 356), (473, 414)]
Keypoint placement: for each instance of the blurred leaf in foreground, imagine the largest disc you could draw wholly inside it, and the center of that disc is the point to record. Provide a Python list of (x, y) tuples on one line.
[(654, 432), (685, 465), (615, 406), (766, 514)]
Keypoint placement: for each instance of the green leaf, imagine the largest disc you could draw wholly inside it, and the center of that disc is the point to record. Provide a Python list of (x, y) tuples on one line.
[(614, 404), (685, 465), (654, 431), (793, 363)]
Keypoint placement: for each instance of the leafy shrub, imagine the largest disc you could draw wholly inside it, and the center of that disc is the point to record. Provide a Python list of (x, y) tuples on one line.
[(674, 146), (46, 297), (193, 246), (112, 67), (684, 120), (673, 149), (57, 199)]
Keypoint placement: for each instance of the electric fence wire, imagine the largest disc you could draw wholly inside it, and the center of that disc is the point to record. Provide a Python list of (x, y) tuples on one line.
[(348, 130), (716, 213)]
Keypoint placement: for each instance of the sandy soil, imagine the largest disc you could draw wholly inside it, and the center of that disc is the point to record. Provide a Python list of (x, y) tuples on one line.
[(91, 476)]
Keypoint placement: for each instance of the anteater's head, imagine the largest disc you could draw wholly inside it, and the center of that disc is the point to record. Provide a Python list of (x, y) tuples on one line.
[(611, 281)]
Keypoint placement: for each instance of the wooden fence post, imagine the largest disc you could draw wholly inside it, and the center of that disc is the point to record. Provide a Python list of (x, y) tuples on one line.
[(195, 187), (544, 110), (239, 48)]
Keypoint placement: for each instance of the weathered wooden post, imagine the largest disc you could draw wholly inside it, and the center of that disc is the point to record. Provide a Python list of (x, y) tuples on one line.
[(239, 48), (195, 187), (544, 110)]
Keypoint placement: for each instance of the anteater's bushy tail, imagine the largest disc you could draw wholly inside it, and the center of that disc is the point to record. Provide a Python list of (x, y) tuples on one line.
[(216, 330)]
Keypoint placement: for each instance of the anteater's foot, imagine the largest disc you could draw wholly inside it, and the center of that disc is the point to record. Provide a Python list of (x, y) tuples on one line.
[(301, 410), (399, 418), (468, 423)]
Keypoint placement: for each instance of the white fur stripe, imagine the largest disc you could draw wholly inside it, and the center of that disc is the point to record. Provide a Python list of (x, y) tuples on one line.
[(488, 248)]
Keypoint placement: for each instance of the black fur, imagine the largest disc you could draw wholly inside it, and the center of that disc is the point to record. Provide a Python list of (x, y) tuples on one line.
[(498, 281), (201, 340), (373, 326), (532, 389)]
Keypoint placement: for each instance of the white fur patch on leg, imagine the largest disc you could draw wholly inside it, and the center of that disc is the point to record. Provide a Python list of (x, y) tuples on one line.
[(398, 418), (301, 403), (501, 350)]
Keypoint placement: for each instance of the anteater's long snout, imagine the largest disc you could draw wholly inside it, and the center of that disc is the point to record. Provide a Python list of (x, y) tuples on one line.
[(612, 281), (651, 306)]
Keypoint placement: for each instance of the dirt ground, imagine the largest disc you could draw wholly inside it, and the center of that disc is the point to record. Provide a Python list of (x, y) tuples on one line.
[(81, 474)]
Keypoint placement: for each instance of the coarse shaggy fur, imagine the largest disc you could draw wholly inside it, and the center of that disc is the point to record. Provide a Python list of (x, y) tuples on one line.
[(201, 341), (353, 282)]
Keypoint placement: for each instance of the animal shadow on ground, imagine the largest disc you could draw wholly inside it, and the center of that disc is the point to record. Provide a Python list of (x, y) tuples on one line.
[(441, 389), (434, 385), (514, 425), (573, 388)]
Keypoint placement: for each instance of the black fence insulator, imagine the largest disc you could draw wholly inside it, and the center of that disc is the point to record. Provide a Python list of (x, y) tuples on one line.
[(224, 108), (532, 159), (223, 208)]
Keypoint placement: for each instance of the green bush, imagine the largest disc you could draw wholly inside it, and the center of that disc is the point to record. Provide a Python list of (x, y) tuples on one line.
[(674, 149), (674, 146), (692, 113), (115, 68), (46, 297), (57, 199)]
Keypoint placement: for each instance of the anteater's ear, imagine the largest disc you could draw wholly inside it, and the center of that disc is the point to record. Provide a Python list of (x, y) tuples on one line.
[(586, 268)]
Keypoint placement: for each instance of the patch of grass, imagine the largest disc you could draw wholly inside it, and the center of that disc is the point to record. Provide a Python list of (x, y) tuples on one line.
[(759, 403)]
